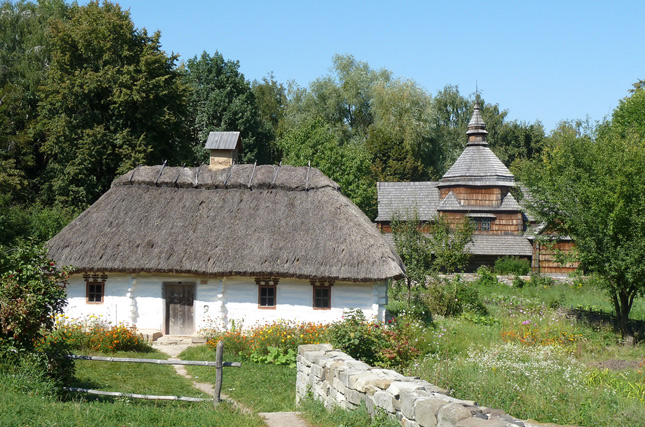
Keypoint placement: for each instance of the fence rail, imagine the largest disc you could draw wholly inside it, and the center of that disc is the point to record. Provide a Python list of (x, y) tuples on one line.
[(218, 364)]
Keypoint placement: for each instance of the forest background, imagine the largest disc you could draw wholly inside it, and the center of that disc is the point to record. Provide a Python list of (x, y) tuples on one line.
[(86, 96)]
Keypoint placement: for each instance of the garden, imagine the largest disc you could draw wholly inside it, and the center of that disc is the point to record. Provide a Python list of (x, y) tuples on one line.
[(534, 347)]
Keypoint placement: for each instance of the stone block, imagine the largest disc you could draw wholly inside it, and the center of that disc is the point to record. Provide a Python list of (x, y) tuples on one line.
[(317, 371), (405, 422), (397, 386), (354, 396), (426, 409), (408, 398), (451, 414), (384, 400), (338, 385), (302, 349), (479, 422), (370, 406), (345, 375)]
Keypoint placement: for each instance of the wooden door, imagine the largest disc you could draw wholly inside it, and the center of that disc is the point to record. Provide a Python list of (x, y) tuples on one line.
[(179, 309)]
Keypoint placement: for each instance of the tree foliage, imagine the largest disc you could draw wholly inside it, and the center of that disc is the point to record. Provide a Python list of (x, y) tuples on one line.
[(592, 188), (222, 100), (348, 165), (111, 100), (428, 249)]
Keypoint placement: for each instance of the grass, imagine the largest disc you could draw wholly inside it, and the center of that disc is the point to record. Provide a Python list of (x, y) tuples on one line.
[(548, 353), (25, 399), (140, 378), (259, 387)]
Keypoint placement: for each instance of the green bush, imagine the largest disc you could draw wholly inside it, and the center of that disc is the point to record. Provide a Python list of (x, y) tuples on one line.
[(357, 337), (32, 292), (451, 298), (512, 265), (486, 277)]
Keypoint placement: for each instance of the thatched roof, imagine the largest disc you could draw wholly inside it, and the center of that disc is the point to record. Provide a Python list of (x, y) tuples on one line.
[(240, 221)]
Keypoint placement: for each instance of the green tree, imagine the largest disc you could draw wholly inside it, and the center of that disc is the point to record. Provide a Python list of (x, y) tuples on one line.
[(593, 189), (271, 98), (24, 55), (222, 100), (111, 100), (348, 165), (427, 249)]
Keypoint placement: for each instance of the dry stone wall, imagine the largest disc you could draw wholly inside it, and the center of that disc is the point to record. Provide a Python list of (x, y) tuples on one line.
[(338, 380)]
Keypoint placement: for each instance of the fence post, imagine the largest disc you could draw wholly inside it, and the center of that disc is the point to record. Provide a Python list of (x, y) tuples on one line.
[(218, 373)]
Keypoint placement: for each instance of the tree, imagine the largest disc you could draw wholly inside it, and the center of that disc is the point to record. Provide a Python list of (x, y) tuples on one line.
[(314, 141), (592, 188), (24, 56), (428, 249), (111, 100), (271, 98), (222, 100)]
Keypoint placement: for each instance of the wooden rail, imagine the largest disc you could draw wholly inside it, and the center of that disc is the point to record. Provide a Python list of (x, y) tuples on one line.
[(218, 364)]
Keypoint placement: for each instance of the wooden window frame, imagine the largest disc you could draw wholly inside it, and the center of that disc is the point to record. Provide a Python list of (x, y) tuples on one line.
[(268, 284), (92, 281), (326, 285)]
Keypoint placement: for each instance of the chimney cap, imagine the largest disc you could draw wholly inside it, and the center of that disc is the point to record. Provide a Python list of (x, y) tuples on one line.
[(224, 141)]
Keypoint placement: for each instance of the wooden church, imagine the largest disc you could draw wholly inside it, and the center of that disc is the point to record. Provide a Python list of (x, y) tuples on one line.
[(478, 187)]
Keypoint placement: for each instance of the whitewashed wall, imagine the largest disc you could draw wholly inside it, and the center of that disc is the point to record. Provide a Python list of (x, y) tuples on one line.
[(138, 300)]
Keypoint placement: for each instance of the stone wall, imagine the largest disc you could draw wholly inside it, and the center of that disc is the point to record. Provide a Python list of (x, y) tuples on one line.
[(338, 380)]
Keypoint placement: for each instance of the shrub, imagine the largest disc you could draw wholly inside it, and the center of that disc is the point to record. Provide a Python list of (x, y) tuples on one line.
[(451, 298), (486, 277), (512, 265), (357, 337), (539, 280), (32, 291)]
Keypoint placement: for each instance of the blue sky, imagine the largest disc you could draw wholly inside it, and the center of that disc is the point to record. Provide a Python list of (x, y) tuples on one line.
[(546, 60)]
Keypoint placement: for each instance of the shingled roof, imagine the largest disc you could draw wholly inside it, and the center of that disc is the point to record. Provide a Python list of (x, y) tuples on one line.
[(477, 165), (395, 198), (241, 221)]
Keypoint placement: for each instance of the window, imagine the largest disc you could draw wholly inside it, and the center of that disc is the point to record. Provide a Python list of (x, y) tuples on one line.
[(267, 292), (322, 294), (95, 288), (481, 224)]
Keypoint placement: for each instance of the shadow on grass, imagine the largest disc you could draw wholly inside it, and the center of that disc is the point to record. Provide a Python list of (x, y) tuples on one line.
[(601, 319)]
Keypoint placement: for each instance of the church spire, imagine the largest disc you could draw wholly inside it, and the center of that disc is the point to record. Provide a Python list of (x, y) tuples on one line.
[(477, 128)]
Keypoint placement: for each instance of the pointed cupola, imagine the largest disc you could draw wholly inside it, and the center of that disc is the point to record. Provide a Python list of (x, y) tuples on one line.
[(477, 165)]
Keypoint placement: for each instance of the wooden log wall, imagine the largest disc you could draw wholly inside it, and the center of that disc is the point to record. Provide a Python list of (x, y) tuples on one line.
[(476, 196), (502, 224), (545, 260)]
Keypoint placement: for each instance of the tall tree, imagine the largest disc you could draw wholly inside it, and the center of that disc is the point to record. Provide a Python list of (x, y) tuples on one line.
[(222, 100), (349, 165), (112, 99), (271, 98), (593, 189), (24, 56)]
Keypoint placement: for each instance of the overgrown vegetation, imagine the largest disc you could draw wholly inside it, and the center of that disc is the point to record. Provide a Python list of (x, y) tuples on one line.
[(32, 292), (512, 265)]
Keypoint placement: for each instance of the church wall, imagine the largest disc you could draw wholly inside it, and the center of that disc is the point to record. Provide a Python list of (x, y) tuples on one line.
[(545, 260), (502, 224), (476, 196)]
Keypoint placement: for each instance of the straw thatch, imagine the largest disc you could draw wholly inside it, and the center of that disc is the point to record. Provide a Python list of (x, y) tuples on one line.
[(240, 221)]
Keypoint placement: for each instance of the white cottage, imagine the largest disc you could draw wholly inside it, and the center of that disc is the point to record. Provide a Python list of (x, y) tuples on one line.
[(175, 249)]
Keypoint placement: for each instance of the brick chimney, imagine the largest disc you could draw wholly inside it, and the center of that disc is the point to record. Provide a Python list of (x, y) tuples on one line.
[(224, 148)]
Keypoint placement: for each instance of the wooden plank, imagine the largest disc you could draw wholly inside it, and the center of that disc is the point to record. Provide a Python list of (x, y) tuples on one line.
[(155, 361), (135, 395), (219, 354)]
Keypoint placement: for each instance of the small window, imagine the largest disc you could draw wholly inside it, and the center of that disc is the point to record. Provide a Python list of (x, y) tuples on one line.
[(481, 224), (267, 292), (94, 288), (322, 294)]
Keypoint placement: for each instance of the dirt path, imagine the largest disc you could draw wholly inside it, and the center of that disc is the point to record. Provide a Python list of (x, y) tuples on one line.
[(272, 419)]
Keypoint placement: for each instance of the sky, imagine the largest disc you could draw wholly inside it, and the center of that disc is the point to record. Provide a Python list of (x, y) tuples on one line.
[(548, 60)]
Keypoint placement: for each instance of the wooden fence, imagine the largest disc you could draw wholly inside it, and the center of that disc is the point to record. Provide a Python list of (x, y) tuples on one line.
[(218, 364)]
